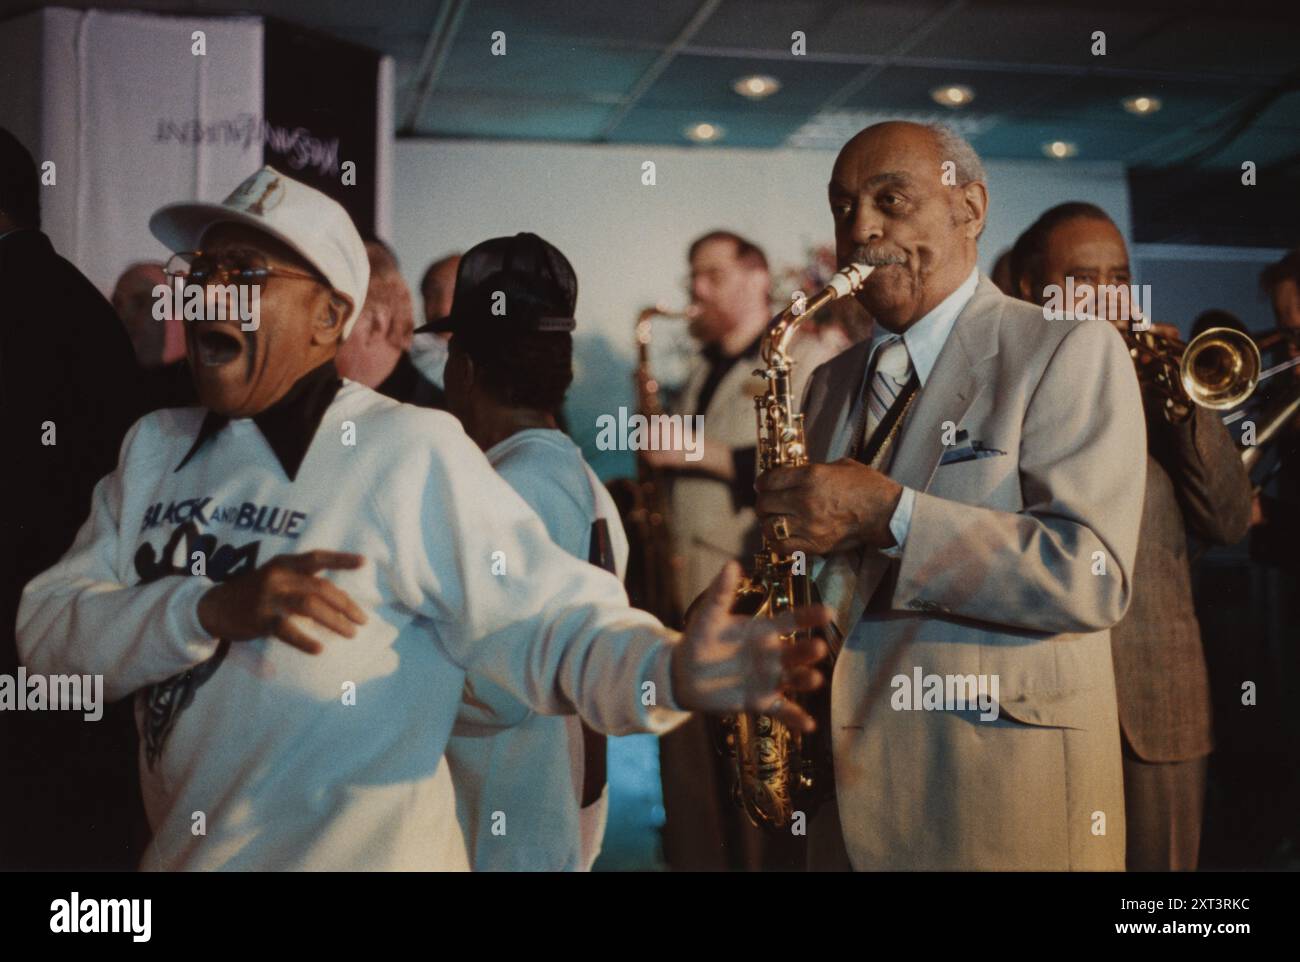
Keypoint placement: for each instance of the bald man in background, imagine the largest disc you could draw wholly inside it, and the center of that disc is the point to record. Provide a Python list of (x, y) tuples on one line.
[(159, 346), (429, 348), (155, 343), (378, 352)]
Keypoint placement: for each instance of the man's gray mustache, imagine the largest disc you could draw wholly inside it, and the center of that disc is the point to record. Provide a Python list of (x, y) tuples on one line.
[(876, 258)]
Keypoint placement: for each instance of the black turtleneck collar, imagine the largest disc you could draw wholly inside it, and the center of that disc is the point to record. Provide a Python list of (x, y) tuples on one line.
[(290, 424), (719, 366)]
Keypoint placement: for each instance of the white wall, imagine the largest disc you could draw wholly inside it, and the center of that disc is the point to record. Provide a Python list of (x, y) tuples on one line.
[(628, 241)]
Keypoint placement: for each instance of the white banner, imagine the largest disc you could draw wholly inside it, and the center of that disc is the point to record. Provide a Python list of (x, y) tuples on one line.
[(133, 116)]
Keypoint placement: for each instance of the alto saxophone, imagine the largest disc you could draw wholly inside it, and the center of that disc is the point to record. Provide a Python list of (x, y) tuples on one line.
[(777, 771)]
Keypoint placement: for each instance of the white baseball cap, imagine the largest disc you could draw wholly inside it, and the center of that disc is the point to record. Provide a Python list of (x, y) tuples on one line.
[(312, 224)]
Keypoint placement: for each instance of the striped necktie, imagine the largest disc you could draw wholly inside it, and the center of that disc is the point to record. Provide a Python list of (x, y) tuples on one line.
[(837, 581), (893, 371)]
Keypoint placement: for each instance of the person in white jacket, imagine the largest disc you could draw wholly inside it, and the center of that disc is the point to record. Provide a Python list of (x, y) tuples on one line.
[(293, 579)]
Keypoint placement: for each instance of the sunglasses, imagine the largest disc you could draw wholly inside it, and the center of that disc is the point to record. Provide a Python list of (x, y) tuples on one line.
[(233, 266)]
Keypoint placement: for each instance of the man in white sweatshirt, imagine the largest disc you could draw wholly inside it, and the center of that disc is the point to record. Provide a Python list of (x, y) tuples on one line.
[(529, 787), (293, 579)]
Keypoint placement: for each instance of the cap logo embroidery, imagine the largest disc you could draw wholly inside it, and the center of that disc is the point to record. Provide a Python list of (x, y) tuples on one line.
[(269, 199)]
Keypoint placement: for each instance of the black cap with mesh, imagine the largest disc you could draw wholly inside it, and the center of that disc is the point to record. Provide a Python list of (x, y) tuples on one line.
[(506, 284)]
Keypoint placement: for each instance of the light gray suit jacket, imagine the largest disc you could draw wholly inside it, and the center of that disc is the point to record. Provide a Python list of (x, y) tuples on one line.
[(708, 529), (1016, 565)]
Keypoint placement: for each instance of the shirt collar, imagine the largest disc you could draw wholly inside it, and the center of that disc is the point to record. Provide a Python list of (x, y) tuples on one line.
[(289, 425), (926, 338), (713, 352)]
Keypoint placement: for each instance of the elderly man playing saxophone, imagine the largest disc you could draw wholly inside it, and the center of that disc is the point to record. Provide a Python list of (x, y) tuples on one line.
[(974, 499)]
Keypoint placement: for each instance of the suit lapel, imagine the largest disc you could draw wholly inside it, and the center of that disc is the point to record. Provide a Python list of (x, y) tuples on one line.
[(840, 387), (960, 374)]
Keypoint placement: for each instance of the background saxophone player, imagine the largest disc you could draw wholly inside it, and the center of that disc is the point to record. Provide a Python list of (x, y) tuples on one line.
[(711, 505)]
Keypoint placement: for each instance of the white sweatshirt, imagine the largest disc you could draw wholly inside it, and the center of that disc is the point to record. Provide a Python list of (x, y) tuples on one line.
[(518, 790), (269, 758)]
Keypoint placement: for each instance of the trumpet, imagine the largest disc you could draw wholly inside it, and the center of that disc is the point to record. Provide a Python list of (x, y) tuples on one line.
[(1220, 369), (777, 771), (1217, 369)]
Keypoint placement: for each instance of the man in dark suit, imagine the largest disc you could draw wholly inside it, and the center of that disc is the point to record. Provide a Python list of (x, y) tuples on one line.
[(1195, 481), (66, 398)]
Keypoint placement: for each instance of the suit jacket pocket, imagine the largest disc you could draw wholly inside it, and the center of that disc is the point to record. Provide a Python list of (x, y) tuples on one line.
[(1050, 709), (990, 481)]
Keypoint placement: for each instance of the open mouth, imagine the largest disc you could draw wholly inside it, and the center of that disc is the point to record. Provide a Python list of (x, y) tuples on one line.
[(216, 345)]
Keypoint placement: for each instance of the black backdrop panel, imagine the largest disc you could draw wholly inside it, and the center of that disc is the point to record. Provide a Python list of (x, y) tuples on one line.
[(321, 108), (1182, 206)]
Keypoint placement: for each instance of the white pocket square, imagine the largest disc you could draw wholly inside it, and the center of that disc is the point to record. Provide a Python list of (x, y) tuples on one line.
[(969, 451)]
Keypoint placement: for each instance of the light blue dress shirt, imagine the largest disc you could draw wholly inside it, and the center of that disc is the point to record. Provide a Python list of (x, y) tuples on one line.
[(924, 340)]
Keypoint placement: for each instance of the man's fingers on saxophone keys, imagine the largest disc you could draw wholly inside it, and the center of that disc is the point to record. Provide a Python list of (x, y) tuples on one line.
[(778, 479), (766, 664)]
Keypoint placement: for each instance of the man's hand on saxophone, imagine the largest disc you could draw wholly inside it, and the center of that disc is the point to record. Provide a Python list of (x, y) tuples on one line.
[(727, 663), (821, 508)]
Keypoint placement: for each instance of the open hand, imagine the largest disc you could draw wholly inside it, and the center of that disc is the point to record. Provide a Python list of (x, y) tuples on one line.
[(727, 663)]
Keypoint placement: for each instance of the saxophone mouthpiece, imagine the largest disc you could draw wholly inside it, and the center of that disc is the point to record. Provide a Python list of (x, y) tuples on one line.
[(850, 278)]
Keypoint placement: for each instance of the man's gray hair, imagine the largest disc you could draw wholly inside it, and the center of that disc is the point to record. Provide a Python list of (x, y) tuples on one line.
[(953, 146)]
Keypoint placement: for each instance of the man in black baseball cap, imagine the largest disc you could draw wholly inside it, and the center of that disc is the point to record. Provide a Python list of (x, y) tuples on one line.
[(523, 280), (510, 363), (510, 321)]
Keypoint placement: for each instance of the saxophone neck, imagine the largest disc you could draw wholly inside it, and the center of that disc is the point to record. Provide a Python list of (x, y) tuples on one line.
[(776, 342)]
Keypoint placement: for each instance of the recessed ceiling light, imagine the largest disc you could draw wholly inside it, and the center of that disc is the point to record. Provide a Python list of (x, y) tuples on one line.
[(1060, 149), (756, 86), (952, 95), (704, 133), (1141, 105)]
